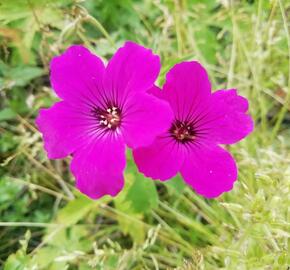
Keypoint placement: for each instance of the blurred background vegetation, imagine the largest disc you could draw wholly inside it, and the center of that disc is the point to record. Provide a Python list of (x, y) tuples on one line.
[(46, 224)]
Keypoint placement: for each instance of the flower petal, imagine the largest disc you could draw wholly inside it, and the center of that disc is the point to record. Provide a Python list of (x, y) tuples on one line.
[(132, 68), (187, 89), (64, 129), (210, 171), (76, 75), (228, 121), (161, 160), (144, 117), (156, 91), (98, 167)]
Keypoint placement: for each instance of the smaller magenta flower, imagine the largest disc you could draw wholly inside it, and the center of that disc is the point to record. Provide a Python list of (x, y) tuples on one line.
[(202, 120), (103, 109)]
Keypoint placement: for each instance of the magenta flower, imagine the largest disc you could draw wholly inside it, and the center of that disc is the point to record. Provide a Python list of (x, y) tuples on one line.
[(103, 109), (202, 121)]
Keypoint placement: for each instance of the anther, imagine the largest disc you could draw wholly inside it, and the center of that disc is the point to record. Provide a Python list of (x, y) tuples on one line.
[(183, 132), (109, 118)]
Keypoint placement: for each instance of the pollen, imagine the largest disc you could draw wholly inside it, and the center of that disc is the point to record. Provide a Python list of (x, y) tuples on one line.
[(109, 118), (182, 132)]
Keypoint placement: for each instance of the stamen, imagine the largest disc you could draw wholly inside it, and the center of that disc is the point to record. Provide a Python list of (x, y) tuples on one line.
[(109, 118), (183, 132)]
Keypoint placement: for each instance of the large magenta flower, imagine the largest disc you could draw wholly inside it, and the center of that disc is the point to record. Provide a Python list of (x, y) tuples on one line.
[(102, 110), (202, 121)]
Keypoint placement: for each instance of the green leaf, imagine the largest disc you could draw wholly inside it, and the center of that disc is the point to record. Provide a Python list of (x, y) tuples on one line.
[(75, 210), (17, 76), (20, 259), (138, 197), (129, 221), (7, 114), (20, 76), (176, 183), (207, 42), (16, 262), (139, 192), (142, 195)]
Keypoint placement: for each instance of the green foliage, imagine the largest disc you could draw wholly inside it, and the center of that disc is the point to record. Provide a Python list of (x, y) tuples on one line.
[(46, 224), (19, 260), (141, 195), (74, 211), (19, 75), (138, 197)]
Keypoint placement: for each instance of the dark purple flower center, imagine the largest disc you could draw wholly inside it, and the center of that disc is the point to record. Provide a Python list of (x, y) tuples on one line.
[(182, 132), (109, 118)]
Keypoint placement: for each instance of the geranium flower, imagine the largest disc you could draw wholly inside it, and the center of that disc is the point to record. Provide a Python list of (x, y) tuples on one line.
[(103, 109), (202, 120)]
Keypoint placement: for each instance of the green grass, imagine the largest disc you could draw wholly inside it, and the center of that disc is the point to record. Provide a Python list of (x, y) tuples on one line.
[(46, 224)]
